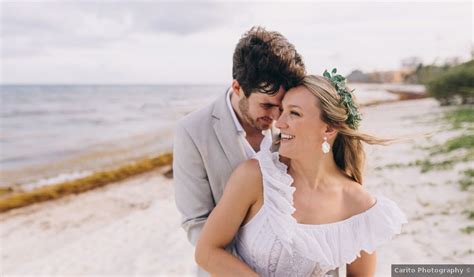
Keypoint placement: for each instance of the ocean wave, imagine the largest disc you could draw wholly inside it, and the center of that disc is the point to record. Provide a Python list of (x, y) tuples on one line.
[(60, 178), (25, 113)]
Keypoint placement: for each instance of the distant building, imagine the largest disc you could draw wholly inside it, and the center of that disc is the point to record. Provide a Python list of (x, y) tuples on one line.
[(393, 76)]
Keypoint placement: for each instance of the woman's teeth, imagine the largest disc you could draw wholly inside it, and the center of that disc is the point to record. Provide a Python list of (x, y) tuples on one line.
[(287, 137)]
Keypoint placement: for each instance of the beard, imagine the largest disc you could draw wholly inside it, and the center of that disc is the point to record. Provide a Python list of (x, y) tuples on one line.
[(260, 125)]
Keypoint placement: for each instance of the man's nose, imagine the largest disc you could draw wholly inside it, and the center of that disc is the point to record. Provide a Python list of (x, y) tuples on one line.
[(275, 113)]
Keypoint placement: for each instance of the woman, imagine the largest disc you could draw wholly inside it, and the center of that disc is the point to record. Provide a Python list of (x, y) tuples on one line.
[(310, 214)]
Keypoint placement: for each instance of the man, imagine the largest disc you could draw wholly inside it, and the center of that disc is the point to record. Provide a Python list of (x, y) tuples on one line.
[(211, 142)]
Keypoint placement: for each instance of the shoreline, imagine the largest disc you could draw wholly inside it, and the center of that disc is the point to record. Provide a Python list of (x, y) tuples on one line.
[(12, 200), (99, 157), (17, 195)]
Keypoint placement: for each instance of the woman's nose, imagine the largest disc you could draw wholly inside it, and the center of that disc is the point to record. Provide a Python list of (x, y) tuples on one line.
[(281, 122)]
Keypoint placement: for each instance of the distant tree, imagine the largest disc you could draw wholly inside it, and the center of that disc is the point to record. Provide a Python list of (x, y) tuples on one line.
[(411, 63), (452, 61), (423, 74), (454, 86)]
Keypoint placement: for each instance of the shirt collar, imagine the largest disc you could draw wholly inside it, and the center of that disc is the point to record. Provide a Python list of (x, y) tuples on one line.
[(238, 126)]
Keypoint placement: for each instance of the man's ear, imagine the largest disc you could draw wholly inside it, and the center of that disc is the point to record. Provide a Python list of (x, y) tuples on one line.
[(236, 88)]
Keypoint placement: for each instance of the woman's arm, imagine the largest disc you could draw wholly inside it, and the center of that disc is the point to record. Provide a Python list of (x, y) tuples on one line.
[(364, 266), (360, 201), (240, 193)]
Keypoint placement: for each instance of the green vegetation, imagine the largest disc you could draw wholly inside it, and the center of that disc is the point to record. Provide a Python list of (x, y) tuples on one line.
[(468, 179), (99, 179), (456, 150), (450, 83), (427, 164), (463, 141), (470, 214), (454, 85), (391, 166), (423, 74), (468, 230), (458, 117)]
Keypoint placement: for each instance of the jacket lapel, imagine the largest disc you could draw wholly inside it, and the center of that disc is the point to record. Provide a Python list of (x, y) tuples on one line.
[(227, 134)]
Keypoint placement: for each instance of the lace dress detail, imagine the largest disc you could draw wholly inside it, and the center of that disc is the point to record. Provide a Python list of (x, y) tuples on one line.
[(273, 243)]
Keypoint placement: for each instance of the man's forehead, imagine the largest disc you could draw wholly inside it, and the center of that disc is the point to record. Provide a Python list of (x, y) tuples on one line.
[(271, 100)]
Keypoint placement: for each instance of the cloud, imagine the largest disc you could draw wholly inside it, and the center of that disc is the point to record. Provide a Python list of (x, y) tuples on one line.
[(30, 28), (149, 42)]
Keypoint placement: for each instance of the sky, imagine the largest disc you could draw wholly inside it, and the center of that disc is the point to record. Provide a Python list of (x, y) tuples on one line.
[(151, 42)]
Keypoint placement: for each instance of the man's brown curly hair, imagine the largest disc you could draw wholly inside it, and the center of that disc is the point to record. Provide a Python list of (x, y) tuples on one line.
[(263, 61)]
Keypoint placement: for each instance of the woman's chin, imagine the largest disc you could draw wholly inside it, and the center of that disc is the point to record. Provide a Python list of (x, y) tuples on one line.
[(283, 151)]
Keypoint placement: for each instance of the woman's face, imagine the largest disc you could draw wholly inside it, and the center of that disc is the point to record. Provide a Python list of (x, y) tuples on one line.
[(302, 130)]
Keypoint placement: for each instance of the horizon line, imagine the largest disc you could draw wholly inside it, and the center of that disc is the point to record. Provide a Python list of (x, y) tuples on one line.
[(111, 84)]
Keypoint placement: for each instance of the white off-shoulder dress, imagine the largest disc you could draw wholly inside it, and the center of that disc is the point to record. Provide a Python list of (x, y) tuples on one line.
[(273, 243)]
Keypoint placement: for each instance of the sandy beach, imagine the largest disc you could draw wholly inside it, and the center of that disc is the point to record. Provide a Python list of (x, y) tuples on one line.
[(132, 228)]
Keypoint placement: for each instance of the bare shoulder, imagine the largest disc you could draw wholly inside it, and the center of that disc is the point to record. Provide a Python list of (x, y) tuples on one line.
[(248, 170), (247, 179), (357, 197)]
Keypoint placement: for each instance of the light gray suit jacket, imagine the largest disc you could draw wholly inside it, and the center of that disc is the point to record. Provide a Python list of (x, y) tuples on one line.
[(206, 151)]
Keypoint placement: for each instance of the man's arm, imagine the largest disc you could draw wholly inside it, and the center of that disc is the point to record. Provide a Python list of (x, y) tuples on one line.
[(193, 194)]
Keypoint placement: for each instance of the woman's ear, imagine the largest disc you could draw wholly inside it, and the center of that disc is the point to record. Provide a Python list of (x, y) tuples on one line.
[(330, 132)]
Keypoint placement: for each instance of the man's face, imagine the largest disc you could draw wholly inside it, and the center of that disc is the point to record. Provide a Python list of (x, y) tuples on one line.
[(259, 110)]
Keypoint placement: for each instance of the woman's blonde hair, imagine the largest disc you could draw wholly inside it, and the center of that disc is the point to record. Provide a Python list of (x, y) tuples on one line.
[(347, 148)]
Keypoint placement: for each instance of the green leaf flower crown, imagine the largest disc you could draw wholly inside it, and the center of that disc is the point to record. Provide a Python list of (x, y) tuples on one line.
[(339, 81)]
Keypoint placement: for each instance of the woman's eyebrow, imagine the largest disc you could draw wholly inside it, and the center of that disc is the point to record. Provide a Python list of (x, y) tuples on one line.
[(294, 106)]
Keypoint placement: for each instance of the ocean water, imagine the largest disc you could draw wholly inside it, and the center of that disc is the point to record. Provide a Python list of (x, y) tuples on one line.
[(51, 133), (43, 127)]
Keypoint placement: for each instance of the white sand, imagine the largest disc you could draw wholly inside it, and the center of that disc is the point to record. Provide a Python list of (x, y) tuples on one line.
[(432, 201), (127, 228), (132, 227)]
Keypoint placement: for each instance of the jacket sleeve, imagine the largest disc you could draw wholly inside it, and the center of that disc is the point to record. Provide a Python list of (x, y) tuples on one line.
[(193, 194)]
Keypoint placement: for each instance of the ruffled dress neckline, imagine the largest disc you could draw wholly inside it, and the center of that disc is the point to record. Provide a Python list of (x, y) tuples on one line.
[(331, 244)]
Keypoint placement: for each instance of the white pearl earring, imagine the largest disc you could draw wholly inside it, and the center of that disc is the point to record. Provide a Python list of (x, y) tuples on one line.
[(326, 146)]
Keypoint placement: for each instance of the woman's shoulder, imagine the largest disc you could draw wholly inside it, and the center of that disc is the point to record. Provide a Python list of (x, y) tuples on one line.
[(248, 176), (249, 170), (358, 199)]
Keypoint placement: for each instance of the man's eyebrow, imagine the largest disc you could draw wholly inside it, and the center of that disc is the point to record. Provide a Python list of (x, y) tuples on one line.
[(270, 104)]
